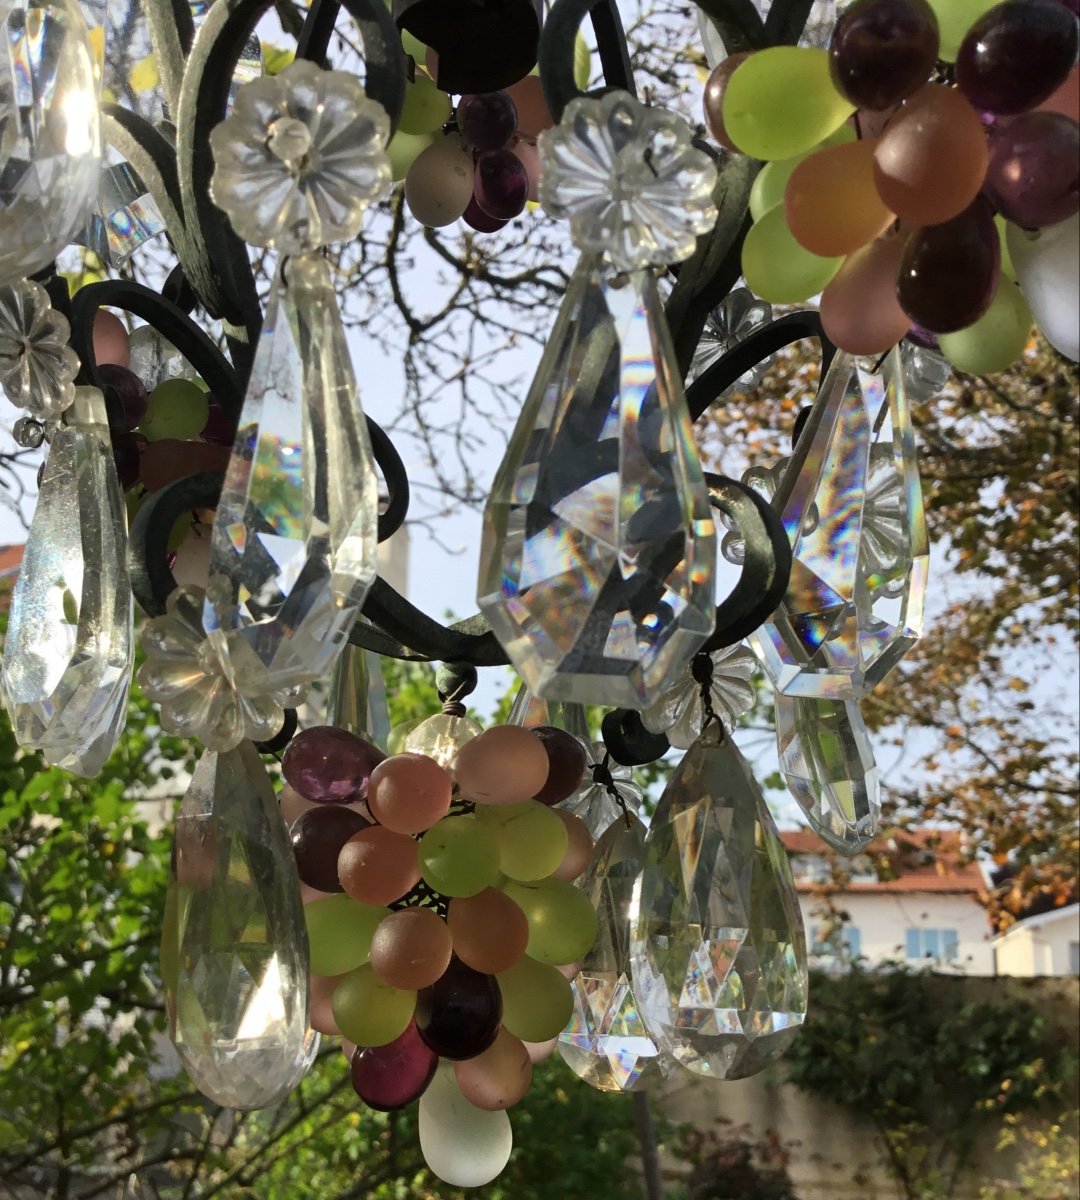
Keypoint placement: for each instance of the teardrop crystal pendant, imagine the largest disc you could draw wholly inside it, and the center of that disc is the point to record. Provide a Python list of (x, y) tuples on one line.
[(234, 952), (605, 1042), (70, 643), (596, 565), (293, 551), (851, 502), (357, 698), (718, 953), (828, 762)]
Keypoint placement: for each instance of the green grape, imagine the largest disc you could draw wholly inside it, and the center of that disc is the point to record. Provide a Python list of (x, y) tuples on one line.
[(537, 1000), (996, 339), (426, 109), (177, 408), (770, 182), (1007, 268), (369, 1011), (403, 149), (777, 268), (955, 18), (532, 839), (459, 856), (582, 62), (339, 933), (413, 46), (782, 101), (562, 922)]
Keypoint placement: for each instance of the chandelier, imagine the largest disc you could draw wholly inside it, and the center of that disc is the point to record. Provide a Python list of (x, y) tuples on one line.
[(457, 902)]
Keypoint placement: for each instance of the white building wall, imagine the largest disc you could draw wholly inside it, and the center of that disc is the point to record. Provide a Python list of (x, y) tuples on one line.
[(884, 918), (1043, 945)]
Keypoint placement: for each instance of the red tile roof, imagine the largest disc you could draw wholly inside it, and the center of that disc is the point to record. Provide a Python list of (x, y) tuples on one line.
[(10, 559), (916, 860)]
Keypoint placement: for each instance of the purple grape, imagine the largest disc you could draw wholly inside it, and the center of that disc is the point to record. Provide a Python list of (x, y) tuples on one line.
[(1034, 174), (127, 449), (923, 337), (317, 837), (389, 1077), (475, 217), (566, 764), (1017, 55), (883, 50), (501, 185), (130, 392), (330, 766), (949, 271), (459, 1015), (219, 429), (487, 121)]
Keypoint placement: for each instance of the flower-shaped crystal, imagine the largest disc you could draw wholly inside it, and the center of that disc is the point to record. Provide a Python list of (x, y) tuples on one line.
[(593, 802), (299, 158), (680, 710), (198, 694), (37, 366), (629, 180), (764, 481), (732, 321)]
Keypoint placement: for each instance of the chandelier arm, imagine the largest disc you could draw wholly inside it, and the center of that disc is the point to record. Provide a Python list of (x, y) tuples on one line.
[(786, 21), (766, 561), (151, 156), (168, 319), (313, 42), (420, 636), (395, 478), (628, 741), (738, 23), (558, 38), (152, 579), (171, 30), (710, 385)]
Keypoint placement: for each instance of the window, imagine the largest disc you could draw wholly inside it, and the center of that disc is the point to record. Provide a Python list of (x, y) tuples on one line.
[(845, 942), (932, 943)]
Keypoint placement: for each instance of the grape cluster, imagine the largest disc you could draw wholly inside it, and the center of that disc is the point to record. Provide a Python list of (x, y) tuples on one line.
[(165, 424), (477, 160), (440, 906), (892, 178)]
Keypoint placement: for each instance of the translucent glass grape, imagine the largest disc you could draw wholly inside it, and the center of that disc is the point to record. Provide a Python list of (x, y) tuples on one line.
[(176, 408), (321, 989), (331, 766), (831, 203), (497, 1078), (1017, 55), (459, 856), (317, 837), (128, 390), (339, 933), (859, 309), (883, 50), (504, 765), (949, 272), (127, 449), (1034, 172), (562, 922), (566, 764), (931, 161), (459, 1015), (537, 1000), (411, 948), (378, 866), (501, 185), (579, 847), (487, 121), (390, 1077), (409, 793), (715, 86), (489, 930), (369, 1011), (475, 217)]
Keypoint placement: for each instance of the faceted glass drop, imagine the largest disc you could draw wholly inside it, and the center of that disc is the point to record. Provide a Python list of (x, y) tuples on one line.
[(828, 762), (50, 141), (718, 953), (234, 951), (606, 1043), (593, 802), (357, 699), (124, 215), (70, 642), (596, 566), (852, 505), (296, 528)]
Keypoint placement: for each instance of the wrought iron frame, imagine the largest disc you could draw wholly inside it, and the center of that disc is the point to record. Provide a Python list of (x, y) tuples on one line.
[(213, 270)]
